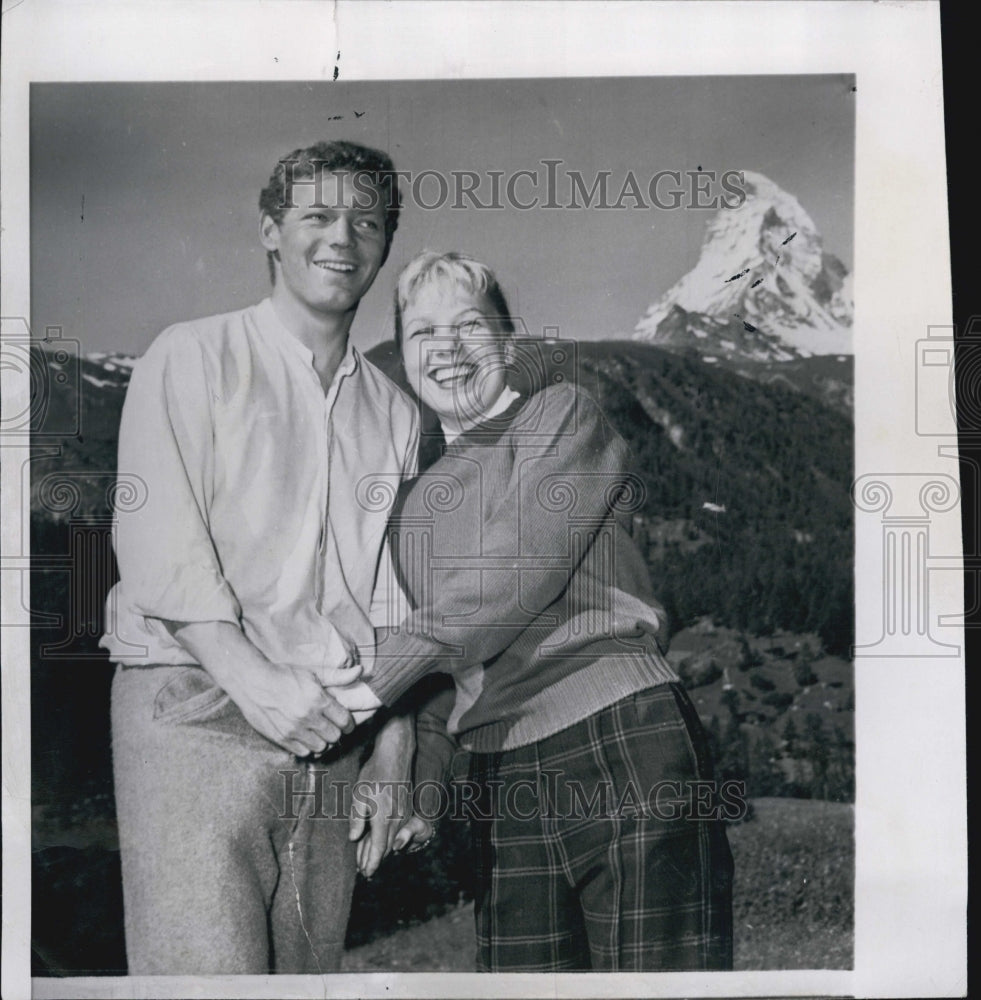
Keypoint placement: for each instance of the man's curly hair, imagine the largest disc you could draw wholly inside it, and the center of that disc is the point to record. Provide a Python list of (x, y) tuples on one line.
[(330, 157)]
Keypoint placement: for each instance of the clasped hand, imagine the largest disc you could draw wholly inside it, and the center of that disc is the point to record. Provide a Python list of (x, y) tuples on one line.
[(354, 700), (300, 710), (346, 687)]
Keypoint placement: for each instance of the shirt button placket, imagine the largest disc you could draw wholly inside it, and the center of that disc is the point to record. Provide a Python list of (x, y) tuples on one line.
[(324, 480)]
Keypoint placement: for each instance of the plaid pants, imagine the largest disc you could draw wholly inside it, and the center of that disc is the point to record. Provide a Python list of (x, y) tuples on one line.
[(588, 851)]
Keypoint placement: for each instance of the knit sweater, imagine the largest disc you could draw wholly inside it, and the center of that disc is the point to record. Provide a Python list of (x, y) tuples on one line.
[(515, 550)]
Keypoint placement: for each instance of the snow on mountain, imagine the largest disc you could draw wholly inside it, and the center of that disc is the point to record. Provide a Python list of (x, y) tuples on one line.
[(763, 289), (107, 370)]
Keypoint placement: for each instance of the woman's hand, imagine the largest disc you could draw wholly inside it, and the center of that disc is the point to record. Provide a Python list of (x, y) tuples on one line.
[(381, 800), (414, 835)]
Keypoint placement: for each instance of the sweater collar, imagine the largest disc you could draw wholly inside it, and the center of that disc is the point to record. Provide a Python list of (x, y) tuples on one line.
[(501, 405)]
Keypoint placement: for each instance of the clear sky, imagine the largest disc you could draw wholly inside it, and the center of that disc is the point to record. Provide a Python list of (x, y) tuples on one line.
[(143, 196)]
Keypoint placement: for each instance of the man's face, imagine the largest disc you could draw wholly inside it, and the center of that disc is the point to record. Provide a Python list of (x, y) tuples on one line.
[(330, 244), (454, 357)]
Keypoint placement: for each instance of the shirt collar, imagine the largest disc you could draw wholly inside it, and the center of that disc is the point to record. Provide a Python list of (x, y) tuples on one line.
[(271, 325)]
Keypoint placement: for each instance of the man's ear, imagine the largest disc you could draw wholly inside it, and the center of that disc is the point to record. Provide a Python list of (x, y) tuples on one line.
[(269, 233)]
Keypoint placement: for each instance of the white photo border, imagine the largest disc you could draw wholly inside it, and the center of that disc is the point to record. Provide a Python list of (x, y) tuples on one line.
[(910, 933)]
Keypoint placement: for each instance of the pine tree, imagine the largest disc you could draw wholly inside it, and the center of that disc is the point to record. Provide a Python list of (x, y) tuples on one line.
[(818, 753), (790, 737)]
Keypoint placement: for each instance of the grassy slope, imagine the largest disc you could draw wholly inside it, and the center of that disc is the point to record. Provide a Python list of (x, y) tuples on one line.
[(792, 903)]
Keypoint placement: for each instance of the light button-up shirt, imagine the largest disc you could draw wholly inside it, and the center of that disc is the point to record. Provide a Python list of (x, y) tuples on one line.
[(266, 498)]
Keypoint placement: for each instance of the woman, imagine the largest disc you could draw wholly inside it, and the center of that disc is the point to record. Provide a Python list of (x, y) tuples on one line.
[(586, 755)]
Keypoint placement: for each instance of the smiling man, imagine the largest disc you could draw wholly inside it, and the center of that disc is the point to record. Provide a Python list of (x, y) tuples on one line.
[(246, 585)]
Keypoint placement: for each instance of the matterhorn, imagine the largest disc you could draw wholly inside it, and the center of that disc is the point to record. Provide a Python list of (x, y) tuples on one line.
[(764, 288)]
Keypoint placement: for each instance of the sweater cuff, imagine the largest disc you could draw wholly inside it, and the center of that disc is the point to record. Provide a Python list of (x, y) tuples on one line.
[(401, 659)]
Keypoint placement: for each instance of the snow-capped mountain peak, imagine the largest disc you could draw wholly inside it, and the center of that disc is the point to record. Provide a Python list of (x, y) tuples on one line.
[(763, 288)]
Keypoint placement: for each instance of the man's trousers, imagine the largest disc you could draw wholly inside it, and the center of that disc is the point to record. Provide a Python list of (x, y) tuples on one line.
[(235, 854)]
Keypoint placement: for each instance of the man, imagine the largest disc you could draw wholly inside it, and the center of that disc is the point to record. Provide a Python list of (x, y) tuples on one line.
[(245, 590)]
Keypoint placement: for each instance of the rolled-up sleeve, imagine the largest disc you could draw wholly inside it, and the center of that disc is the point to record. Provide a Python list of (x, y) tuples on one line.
[(168, 565)]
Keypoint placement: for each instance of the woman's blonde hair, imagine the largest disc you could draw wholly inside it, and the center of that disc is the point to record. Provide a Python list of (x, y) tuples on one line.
[(458, 269)]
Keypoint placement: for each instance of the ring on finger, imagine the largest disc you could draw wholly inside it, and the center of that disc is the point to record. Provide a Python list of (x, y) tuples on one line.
[(424, 844)]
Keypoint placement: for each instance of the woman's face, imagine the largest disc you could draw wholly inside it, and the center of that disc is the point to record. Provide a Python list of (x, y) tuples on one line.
[(454, 354)]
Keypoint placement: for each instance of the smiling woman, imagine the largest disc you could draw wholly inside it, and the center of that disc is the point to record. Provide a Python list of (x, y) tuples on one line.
[(527, 588), (455, 334)]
